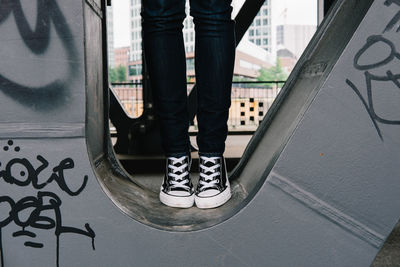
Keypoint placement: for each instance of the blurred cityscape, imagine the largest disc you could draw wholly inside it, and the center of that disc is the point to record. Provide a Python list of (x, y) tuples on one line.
[(267, 53)]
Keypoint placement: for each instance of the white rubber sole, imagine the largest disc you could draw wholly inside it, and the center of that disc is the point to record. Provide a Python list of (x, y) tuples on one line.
[(176, 201), (214, 201)]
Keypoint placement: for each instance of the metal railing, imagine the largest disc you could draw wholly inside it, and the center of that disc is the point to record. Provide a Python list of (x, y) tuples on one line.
[(250, 101)]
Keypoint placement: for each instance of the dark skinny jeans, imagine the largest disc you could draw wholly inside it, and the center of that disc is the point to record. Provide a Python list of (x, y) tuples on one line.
[(163, 43)]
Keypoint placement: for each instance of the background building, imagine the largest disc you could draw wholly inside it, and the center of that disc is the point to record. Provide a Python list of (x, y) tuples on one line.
[(287, 59), (269, 31), (136, 27), (249, 57), (110, 36), (188, 31), (295, 38), (135, 30), (265, 40), (121, 55), (260, 30), (285, 16)]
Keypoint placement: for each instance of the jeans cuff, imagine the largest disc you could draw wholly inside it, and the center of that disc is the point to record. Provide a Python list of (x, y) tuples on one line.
[(211, 154), (177, 154)]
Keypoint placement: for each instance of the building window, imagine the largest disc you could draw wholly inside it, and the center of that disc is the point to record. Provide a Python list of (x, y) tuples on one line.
[(265, 41), (190, 63), (264, 31), (258, 22), (258, 42), (265, 21), (279, 35), (135, 70), (251, 33), (265, 11)]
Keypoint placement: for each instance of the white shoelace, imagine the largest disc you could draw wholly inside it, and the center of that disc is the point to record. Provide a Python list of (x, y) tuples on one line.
[(176, 183), (208, 179)]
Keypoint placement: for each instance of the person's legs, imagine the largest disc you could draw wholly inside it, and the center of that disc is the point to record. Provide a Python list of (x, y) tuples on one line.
[(165, 57), (214, 62), (162, 22)]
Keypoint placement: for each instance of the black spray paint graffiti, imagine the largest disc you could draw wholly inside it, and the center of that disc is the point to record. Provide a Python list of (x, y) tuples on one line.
[(393, 54), (53, 94), (21, 172)]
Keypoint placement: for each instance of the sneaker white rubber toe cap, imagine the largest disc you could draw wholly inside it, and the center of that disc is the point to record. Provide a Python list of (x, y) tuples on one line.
[(212, 198), (177, 200)]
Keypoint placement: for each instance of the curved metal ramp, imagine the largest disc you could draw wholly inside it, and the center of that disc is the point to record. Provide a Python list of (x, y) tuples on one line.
[(317, 186)]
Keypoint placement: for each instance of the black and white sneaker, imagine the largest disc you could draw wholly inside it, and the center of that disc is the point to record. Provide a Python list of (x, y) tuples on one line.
[(213, 189), (177, 188)]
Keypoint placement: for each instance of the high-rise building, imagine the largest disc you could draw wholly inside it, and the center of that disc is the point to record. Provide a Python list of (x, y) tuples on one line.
[(295, 38), (136, 28), (110, 36), (188, 30), (259, 33), (260, 30)]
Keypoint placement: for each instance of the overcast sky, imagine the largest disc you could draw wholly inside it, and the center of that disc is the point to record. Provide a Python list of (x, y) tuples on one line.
[(286, 11)]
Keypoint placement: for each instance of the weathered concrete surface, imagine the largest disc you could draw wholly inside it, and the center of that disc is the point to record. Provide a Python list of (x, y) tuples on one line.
[(389, 255)]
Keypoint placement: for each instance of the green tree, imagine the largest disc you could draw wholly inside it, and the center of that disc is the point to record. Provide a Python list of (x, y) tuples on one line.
[(112, 75), (274, 73), (121, 73)]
